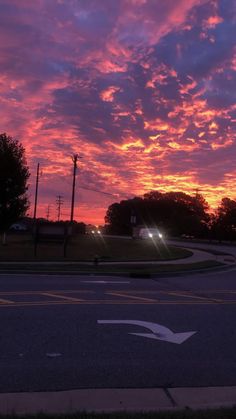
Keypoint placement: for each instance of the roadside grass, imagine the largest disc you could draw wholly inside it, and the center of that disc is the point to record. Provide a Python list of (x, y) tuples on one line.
[(86, 247), (126, 269), (222, 413)]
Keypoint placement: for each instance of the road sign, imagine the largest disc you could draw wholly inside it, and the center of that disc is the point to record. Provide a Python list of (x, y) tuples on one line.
[(159, 332)]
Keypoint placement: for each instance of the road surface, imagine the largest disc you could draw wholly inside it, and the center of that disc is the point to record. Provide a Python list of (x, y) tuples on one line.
[(65, 332)]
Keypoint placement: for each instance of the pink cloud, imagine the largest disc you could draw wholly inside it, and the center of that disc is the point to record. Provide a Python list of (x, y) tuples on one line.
[(141, 88)]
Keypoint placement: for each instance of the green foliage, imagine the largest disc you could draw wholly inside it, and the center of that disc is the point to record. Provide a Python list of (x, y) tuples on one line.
[(84, 247), (224, 223), (187, 413), (175, 212), (14, 175)]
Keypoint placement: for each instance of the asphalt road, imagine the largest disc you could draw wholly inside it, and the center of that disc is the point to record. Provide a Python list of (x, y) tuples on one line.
[(50, 338)]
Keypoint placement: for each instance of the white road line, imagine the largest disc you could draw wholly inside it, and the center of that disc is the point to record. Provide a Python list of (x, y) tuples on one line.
[(106, 282)]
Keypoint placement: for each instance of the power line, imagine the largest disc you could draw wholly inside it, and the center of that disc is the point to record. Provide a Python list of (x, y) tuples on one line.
[(116, 195), (98, 191), (197, 190)]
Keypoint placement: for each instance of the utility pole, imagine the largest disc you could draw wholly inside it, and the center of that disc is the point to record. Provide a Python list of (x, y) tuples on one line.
[(75, 158), (48, 212), (197, 190), (59, 202), (36, 193)]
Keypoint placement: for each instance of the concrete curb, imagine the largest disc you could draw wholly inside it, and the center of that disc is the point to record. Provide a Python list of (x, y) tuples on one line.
[(111, 400)]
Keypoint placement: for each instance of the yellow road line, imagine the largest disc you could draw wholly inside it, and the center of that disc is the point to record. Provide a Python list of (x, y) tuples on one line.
[(3, 293), (42, 291), (181, 294), (118, 294), (102, 302), (167, 291), (60, 296), (3, 301)]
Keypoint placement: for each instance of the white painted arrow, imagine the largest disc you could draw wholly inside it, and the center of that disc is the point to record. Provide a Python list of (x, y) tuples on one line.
[(159, 332)]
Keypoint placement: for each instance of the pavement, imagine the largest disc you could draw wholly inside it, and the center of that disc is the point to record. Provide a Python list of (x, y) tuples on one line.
[(113, 400), (224, 250), (55, 357)]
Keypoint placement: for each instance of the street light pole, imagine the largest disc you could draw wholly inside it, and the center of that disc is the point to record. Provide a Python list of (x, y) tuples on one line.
[(75, 158)]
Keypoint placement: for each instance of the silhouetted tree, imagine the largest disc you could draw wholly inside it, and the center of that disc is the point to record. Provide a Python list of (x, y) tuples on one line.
[(14, 175), (118, 218), (176, 212), (224, 223)]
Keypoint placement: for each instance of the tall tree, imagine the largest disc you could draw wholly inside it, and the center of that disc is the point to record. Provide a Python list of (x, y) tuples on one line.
[(14, 174), (176, 212), (224, 225)]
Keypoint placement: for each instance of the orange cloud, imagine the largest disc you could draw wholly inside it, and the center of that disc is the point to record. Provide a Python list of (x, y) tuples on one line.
[(108, 94)]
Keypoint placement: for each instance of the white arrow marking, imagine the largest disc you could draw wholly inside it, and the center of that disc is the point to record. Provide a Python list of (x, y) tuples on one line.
[(159, 332)]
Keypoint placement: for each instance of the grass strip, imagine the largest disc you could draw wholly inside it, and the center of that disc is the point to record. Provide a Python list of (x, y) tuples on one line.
[(85, 247), (122, 269), (222, 413)]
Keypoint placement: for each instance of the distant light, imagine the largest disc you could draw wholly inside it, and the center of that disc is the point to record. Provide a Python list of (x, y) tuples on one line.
[(160, 235), (150, 235), (93, 231), (99, 232)]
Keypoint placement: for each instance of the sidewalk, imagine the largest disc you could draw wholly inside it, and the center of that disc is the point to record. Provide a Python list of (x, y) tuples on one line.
[(111, 400)]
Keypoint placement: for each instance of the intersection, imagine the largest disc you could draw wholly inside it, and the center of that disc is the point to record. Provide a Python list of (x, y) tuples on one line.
[(51, 338)]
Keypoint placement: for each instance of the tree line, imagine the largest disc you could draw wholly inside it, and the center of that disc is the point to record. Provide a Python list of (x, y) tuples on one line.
[(177, 213)]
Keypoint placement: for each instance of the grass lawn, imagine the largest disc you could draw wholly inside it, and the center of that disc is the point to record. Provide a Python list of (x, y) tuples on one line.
[(85, 247), (132, 270), (229, 413)]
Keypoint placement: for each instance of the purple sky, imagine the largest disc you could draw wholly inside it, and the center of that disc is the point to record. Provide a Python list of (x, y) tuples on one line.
[(144, 90)]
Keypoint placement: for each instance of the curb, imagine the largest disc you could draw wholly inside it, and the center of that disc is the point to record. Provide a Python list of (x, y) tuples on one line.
[(114, 400)]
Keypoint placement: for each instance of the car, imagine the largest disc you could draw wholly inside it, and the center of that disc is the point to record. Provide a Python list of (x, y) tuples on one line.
[(18, 227), (149, 233)]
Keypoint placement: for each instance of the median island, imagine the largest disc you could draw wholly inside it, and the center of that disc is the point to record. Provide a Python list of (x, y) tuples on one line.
[(86, 247), (97, 254)]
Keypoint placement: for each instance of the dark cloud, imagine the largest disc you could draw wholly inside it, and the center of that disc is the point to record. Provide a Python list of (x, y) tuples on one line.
[(221, 92), (191, 55)]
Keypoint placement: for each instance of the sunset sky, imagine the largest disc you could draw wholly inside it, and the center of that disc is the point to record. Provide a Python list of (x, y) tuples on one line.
[(143, 90)]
